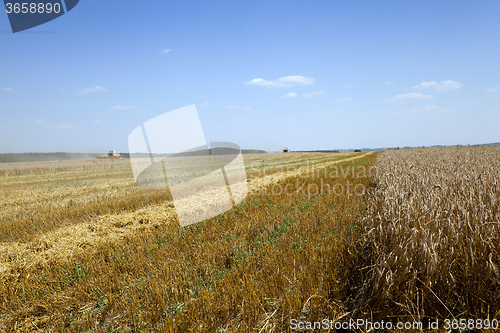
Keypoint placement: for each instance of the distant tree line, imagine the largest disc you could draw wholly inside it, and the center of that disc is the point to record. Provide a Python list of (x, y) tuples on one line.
[(61, 156)]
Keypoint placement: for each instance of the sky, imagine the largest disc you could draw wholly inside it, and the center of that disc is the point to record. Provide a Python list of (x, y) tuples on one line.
[(264, 74)]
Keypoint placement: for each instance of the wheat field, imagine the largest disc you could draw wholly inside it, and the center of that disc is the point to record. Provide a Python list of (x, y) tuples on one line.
[(432, 234), (405, 234)]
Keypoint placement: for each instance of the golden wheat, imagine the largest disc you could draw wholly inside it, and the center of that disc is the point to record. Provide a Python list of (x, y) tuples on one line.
[(432, 234)]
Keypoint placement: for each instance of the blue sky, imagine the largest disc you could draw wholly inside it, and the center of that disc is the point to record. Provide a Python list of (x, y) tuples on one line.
[(263, 74)]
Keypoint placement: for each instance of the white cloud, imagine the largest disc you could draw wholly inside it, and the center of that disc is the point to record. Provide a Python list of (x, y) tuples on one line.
[(39, 122), (121, 107), (441, 86), (202, 96), (408, 98), (165, 51), (247, 108), (389, 82), (493, 89), (343, 99), (60, 127), (5, 89), (97, 121), (432, 109), (345, 86), (286, 81), (289, 95), (205, 105), (238, 119), (314, 93), (92, 90)]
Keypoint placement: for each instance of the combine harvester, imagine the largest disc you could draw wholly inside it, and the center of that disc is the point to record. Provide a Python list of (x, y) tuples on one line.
[(111, 154)]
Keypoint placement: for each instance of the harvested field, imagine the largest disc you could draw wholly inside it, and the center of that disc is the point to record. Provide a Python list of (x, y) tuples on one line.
[(22, 168), (88, 251)]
